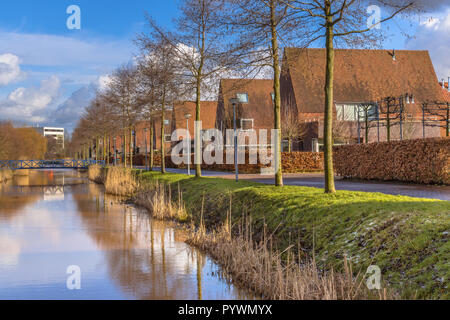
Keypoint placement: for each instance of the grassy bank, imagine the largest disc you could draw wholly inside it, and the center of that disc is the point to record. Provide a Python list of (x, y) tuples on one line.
[(407, 238)]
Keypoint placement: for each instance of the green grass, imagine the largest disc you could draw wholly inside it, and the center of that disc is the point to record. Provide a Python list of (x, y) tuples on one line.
[(407, 238)]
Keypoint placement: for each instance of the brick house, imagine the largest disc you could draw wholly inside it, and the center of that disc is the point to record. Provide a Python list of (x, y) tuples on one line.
[(174, 119), (361, 76), (256, 113)]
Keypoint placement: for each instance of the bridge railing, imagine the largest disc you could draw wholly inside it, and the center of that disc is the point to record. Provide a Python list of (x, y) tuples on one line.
[(48, 164)]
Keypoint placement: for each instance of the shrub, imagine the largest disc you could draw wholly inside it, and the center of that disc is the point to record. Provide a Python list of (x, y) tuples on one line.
[(292, 163), (425, 161)]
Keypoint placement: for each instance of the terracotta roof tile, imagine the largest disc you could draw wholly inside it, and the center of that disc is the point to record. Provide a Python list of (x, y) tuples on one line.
[(360, 76)]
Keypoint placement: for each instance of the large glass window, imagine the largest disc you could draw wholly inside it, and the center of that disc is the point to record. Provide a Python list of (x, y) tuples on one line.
[(247, 124), (349, 112), (346, 112), (242, 97)]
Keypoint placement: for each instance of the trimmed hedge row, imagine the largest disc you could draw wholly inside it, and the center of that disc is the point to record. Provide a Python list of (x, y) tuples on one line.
[(292, 163), (425, 161), (302, 162)]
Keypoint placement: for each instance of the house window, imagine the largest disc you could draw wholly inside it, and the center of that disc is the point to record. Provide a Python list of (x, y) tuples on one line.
[(247, 124), (346, 112), (167, 138), (166, 122), (349, 112), (242, 97)]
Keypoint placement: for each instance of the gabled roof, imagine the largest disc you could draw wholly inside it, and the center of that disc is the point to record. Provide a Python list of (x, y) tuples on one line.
[(446, 91), (360, 76)]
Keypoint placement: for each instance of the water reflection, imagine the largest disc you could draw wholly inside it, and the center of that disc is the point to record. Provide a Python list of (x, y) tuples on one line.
[(123, 254)]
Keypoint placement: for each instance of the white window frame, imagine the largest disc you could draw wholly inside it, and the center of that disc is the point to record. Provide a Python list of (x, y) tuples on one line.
[(247, 130), (243, 94)]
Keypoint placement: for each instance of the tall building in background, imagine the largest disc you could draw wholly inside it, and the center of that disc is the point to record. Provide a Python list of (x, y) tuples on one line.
[(56, 133)]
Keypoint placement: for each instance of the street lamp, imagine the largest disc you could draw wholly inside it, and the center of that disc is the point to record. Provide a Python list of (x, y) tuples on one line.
[(188, 116), (115, 152), (145, 135), (234, 102)]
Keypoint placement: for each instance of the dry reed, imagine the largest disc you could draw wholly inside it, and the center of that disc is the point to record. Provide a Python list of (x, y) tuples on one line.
[(120, 181), (257, 266), (96, 173), (158, 201), (5, 175), (117, 180)]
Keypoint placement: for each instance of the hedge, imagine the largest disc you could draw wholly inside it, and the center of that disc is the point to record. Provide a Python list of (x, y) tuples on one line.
[(293, 162), (424, 161)]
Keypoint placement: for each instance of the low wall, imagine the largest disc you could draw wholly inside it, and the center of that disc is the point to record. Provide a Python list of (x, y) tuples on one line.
[(425, 161)]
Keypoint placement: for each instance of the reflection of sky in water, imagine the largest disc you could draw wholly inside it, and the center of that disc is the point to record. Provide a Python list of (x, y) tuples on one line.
[(122, 253)]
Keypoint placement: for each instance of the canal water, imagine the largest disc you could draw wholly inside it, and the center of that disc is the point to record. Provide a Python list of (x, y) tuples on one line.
[(61, 237)]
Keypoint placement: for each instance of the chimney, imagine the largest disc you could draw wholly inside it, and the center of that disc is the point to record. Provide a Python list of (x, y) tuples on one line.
[(448, 84), (443, 83), (394, 57)]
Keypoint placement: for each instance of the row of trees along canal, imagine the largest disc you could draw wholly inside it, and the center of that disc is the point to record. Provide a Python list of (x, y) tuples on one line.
[(226, 38), (21, 143)]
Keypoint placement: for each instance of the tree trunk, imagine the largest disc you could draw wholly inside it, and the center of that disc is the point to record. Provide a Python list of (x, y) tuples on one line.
[(151, 146), (163, 160), (197, 136), (277, 102), (290, 145), (131, 148), (124, 144), (367, 125), (329, 102), (108, 139)]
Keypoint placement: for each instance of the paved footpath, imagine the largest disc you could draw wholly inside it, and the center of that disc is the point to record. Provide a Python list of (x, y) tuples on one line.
[(317, 180)]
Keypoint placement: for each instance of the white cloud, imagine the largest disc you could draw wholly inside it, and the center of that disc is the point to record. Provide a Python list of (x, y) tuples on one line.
[(433, 34), (69, 112), (29, 104), (10, 69), (59, 51)]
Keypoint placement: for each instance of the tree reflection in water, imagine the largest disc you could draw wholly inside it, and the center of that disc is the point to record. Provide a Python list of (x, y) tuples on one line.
[(64, 218)]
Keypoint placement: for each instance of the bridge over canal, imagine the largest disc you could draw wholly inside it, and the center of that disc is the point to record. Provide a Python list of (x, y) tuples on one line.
[(48, 164)]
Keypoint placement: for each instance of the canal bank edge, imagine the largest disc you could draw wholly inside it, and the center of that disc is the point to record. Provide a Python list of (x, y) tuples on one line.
[(406, 237)]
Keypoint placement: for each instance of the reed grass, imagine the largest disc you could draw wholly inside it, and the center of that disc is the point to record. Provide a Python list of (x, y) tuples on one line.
[(257, 266), (157, 199), (117, 180), (5, 175), (96, 173)]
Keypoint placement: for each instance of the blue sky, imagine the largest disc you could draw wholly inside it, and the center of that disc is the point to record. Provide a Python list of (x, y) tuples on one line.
[(48, 73)]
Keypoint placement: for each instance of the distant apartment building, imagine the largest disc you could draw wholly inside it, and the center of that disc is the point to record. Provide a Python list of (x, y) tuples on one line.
[(56, 133)]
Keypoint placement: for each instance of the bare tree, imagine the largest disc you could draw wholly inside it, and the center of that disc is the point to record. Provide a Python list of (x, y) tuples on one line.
[(161, 64), (344, 20), (203, 49), (148, 93), (264, 27), (122, 95), (292, 128)]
